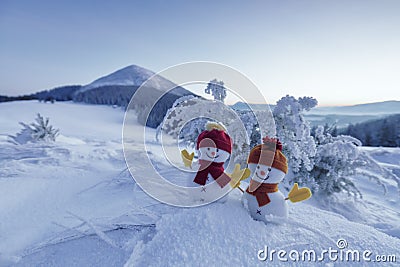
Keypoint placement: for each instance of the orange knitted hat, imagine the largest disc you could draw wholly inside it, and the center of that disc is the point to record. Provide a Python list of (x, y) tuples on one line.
[(269, 153)]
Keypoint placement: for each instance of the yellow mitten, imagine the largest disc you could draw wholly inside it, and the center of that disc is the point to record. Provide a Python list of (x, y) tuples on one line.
[(187, 158), (297, 194), (238, 175)]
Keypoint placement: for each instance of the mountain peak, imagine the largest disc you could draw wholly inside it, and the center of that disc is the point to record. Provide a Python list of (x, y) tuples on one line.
[(134, 69), (131, 75)]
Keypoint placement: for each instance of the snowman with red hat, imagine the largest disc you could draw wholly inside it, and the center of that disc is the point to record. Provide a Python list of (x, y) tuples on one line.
[(268, 166), (214, 147)]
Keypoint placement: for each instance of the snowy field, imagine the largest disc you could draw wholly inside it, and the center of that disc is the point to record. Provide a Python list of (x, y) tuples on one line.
[(73, 203)]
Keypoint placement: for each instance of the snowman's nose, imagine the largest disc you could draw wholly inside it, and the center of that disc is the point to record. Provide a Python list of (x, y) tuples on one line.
[(212, 153), (262, 173)]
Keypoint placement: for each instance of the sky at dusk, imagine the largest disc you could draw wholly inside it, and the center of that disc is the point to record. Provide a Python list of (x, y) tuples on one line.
[(340, 52)]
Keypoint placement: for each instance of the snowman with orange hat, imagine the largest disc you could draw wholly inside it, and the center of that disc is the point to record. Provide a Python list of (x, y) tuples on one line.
[(268, 166), (214, 147)]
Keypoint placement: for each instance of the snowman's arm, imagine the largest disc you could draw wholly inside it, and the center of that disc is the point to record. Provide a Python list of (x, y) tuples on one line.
[(187, 158), (238, 175), (297, 194)]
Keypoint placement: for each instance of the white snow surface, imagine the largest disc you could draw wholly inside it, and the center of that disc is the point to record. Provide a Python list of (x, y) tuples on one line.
[(73, 203)]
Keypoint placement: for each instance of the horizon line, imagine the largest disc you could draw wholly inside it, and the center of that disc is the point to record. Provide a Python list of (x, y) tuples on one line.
[(326, 105)]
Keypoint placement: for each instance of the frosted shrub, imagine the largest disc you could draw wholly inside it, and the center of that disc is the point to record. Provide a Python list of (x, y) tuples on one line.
[(339, 158), (40, 130), (336, 160)]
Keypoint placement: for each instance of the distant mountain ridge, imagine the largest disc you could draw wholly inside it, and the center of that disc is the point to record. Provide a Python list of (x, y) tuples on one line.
[(384, 107), (341, 116)]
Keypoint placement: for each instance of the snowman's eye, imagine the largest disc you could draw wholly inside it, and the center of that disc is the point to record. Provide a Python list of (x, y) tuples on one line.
[(258, 167), (208, 148), (217, 149), (269, 169)]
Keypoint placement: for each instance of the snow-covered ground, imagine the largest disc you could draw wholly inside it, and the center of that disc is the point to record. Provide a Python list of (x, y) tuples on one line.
[(73, 203)]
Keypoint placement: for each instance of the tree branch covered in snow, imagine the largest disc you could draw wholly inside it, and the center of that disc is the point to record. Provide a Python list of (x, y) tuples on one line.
[(336, 160), (373, 170)]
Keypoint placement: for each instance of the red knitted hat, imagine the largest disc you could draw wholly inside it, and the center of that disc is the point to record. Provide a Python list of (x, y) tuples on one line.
[(215, 137), (269, 153)]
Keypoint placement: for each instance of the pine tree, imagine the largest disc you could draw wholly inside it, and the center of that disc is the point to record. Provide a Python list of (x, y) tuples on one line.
[(36, 131)]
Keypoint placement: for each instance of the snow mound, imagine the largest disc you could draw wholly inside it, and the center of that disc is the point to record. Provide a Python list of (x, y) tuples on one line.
[(93, 251), (223, 234)]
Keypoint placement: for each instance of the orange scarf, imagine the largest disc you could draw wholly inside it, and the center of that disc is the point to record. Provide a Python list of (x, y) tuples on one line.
[(261, 193)]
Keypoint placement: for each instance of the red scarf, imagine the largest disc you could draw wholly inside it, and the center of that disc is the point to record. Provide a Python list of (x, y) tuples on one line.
[(216, 169), (261, 193)]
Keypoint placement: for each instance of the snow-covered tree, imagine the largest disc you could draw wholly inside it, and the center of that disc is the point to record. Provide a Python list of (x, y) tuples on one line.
[(255, 122), (217, 89), (336, 160), (326, 163), (250, 123), (63, 93), (339, 158), (36, 131), (295, 133), (171, 121), (380, 132), (191, 130), (185, 119)]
